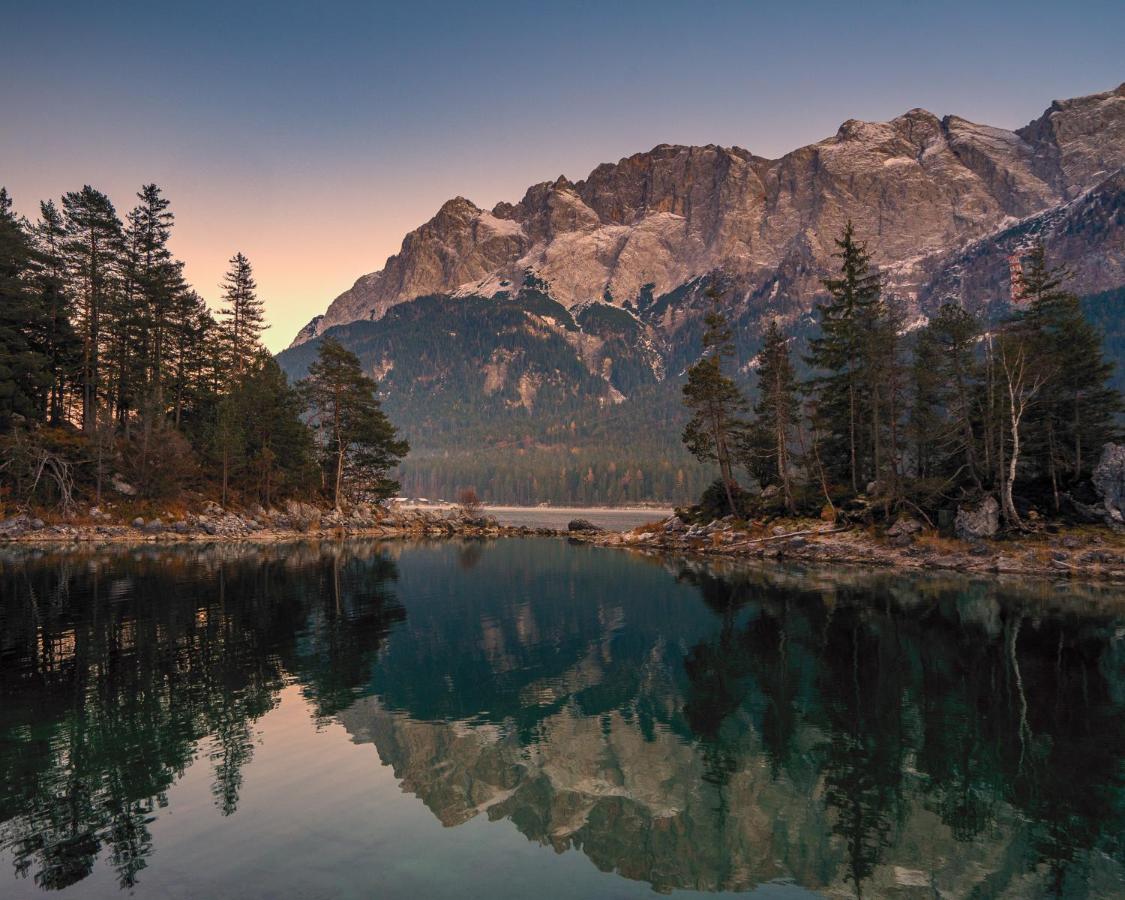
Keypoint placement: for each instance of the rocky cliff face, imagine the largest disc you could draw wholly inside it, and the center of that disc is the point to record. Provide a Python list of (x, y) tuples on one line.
[(919, 188)]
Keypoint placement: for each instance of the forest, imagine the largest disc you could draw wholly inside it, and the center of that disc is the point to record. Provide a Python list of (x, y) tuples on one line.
[(116, 375), (891, 418), (116, 378)]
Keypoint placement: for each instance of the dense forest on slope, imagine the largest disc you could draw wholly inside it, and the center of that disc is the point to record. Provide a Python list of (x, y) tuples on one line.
[(529, 402)]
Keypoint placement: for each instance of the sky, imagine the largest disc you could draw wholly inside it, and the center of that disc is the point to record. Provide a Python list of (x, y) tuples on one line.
[(312, 136)]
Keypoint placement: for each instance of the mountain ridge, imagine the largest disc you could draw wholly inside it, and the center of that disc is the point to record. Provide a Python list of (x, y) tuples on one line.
[(916, 186)]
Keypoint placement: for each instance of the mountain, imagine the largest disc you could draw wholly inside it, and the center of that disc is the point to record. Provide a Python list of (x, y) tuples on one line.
[(560, 324)]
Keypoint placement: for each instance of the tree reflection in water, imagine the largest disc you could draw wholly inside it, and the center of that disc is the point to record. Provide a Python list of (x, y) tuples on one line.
[(680, 726), (114, 668)]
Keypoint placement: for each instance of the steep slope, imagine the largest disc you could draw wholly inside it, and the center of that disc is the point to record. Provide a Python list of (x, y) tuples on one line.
[(915, 186)]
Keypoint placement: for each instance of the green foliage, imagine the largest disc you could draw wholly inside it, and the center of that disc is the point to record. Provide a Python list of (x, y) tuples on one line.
[(242, 315), (843, 356), (715, 402), (714, 503), (358, 444)]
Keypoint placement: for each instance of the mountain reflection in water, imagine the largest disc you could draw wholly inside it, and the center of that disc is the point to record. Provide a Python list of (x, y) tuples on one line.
[(682, 727)]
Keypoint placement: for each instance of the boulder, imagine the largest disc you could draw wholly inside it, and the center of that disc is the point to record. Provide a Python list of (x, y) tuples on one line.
[(139, 522), (581, 525), (302, 516), (123, 487), (904, 525), (674, 525), (978, 520), (15, 525), (1109, 481)]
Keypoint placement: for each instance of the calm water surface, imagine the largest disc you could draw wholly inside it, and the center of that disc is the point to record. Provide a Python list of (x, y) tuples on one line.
[(530, 718)]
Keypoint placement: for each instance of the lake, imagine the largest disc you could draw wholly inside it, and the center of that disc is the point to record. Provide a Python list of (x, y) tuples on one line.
[(527, 717), (557, 517)]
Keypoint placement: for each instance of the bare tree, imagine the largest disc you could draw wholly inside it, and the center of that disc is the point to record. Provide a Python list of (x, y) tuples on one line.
[(469, 503), (1022, 386)]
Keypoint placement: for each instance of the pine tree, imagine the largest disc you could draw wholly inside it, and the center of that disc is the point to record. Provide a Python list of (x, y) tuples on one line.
[(24, 374), (242, 314), (716, 403), (953, 335), (61, 343), (777, 411), (1076, 409), (358, 442), (153, 285), (278, 445), (92, 249), (840, 356)]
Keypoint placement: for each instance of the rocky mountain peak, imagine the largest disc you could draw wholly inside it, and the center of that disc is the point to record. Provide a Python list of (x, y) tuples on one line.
[(916, 187)]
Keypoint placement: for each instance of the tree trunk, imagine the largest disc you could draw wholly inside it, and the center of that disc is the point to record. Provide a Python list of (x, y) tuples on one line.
[(339, 476), (851, 432)]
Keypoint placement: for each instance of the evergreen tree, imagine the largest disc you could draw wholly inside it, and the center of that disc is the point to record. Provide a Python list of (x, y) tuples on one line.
[(777, 411), (24, 373), (840, 355), (927, 392), (151, 285), (60, 342), (92, 249), (358, 442), (948, 345), (715, 402), (277, 444), (1076, 410), (242, 314)]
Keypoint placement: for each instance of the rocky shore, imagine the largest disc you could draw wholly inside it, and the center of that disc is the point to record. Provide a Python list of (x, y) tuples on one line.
[(212, 523), (1085, 552)]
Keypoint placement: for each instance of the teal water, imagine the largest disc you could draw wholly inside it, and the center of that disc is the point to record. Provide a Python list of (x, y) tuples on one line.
[(530, 718)]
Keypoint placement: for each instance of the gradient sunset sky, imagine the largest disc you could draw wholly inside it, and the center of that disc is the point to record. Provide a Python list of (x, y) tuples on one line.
[(313, 136)]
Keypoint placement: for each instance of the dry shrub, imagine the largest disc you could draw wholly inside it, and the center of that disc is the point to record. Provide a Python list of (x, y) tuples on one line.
[(469, 503)]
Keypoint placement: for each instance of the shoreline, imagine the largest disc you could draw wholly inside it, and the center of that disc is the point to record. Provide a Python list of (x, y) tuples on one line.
[(1086, 554), (1083, 554), (298, 522)]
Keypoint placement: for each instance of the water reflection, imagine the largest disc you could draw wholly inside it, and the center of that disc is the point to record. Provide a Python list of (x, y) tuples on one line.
[(113, 668), (680, 726)]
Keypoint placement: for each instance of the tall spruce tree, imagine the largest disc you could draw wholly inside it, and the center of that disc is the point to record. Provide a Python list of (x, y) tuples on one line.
[(1075, 413), (841, 358), (154, 282), (358, 443), (715, 401), (242, 314)]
